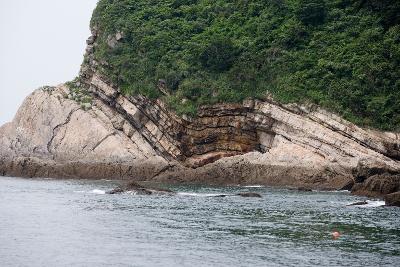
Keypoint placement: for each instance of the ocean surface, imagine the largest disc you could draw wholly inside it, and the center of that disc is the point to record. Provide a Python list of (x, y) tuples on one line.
[(73, 223)]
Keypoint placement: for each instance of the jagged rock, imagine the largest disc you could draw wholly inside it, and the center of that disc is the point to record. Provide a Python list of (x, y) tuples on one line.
[(117, 190), (249, 194), (162, 86), (393, 199), (113, 40), (244, 194), (138, 189), (89, 49), (378, 185), (363, 171), (90, 40), (360, 203), (304, 189)]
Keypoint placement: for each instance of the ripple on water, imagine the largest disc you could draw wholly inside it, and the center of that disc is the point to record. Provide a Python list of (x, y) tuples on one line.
[(74, 223)]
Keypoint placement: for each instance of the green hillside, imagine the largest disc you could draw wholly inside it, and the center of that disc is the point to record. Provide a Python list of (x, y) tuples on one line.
[(341, 54)]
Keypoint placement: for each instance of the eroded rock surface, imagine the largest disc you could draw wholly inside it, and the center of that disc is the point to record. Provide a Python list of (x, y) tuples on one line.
[(52, 136)]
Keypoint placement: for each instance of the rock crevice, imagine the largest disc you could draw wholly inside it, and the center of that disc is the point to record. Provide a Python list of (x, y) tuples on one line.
[(55, 129)]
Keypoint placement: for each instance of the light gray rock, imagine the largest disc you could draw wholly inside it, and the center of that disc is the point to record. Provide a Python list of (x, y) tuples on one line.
[(113, 40), (52, 135)]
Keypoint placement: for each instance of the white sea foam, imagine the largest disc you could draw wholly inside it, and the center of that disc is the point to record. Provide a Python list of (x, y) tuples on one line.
[(98, 192), (199, 194), (374, 203), (331, 191), (253, 186), (95, 191), (370, 204), (133, 193)]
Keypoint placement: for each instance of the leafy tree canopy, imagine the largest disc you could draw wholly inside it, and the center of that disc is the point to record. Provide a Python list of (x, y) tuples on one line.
[(341, 54)]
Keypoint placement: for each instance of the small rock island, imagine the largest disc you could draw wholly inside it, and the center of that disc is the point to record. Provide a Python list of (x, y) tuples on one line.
[(183, 103)]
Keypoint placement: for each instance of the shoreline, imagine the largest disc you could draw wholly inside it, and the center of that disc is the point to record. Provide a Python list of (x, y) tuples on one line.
[(127, 138), (223, 172)]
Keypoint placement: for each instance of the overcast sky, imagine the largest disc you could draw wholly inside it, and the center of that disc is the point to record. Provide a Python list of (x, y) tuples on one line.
[(42, 43)]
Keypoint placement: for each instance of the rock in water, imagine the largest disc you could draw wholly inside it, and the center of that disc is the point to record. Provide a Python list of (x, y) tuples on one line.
[(301, 189), (140, 190), (360, 203), (393, 199), (304, 189), (249, 194), (118, 190), (376, 181), (245, 194)]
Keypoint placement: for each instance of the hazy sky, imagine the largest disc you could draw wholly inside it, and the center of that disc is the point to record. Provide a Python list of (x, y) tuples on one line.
[(42, 43)]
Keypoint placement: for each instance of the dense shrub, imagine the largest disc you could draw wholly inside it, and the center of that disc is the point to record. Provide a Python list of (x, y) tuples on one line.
[(311, 12), (218, 55), (341, 54)]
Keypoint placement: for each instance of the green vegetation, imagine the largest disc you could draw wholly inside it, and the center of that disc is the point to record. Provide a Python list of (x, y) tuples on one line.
[(341, 54), (78, 94)]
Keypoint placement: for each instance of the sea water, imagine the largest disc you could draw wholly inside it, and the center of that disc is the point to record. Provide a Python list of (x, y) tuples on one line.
[(46, 222)]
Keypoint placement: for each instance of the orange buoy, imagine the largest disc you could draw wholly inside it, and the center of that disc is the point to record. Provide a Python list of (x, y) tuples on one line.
[(335, 235)]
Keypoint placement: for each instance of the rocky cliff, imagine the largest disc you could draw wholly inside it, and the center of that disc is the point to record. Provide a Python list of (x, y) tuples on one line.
[(115, 136)]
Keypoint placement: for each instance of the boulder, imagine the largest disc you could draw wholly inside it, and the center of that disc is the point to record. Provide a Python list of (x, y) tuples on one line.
[(378, 185), (137, 189), (302, 189), (393, 199), (360, 203), (249, 194)]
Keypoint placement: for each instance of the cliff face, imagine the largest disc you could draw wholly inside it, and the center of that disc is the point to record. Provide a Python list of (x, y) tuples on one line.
[(53, 136), (132, 137)]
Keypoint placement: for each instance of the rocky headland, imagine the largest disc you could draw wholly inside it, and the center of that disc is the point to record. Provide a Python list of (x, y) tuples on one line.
[(90, 130)]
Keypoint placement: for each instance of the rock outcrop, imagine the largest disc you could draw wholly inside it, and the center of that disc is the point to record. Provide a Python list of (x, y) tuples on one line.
[(393, 199), (359, 203), (137, 189), (53, 136), (132, 137)]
